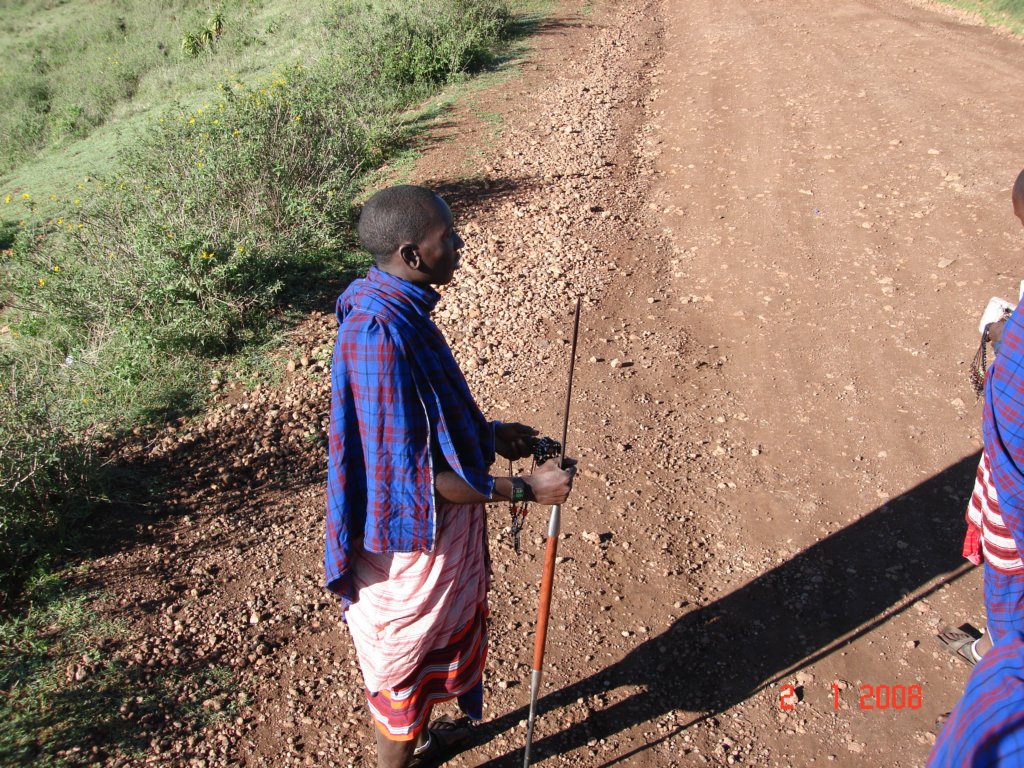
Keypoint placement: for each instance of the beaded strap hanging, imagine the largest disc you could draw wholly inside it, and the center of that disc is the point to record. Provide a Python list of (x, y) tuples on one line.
[(543, 449), (979, 365)]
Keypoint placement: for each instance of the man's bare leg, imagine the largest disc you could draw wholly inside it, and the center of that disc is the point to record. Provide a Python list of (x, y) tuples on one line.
[(984, 643), (394, 754)]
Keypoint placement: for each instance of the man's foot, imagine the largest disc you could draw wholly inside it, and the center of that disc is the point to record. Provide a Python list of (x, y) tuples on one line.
[(960, 644), (443, 735)]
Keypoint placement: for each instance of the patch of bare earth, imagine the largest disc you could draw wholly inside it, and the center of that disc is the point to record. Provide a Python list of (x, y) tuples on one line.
[(784, 219)]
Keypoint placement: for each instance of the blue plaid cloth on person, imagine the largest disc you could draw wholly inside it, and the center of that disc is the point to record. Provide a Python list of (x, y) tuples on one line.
[(986, 728), (1003, 432), (396, 391)]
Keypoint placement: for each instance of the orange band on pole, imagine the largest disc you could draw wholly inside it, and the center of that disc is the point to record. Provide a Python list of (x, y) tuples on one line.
[(547, 582)]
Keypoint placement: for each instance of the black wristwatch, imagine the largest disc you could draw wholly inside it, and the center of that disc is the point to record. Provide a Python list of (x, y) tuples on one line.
[(518, 490)]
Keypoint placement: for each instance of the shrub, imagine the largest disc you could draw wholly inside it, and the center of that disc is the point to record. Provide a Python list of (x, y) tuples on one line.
[(212, 212), (46, 478), (429, 44)]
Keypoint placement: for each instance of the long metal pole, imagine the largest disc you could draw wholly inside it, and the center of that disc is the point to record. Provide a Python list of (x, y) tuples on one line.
[(550, 554)]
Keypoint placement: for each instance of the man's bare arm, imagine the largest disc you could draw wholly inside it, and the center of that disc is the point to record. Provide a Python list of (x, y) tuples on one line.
[(547, 485)]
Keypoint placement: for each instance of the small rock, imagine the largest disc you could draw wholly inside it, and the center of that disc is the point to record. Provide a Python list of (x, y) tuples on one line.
[(804, 678)]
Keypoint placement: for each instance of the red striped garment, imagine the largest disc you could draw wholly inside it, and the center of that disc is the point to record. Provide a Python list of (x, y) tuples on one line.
[(987, 534), (419, 622), (455, 671)]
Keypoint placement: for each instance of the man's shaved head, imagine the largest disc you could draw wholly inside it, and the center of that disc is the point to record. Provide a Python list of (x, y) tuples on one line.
[(1018, 197), (397, 215)]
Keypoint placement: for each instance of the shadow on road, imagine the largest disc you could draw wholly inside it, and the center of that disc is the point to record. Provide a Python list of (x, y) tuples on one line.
[(791, 616)]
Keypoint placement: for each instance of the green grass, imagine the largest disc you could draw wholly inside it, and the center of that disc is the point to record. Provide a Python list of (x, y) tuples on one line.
[(1008, 14), (61, 686), (70, 67), (74, 693)]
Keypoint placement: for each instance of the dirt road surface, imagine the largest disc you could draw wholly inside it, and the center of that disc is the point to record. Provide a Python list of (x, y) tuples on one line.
[(786, 218)]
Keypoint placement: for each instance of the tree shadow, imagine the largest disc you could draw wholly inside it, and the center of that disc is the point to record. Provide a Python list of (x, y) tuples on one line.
[(102, 697), (789, 617), (467, 193), (524, 27)]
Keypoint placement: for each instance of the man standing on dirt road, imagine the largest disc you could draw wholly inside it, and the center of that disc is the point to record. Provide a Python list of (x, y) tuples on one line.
[(408, 481), (987, 727), (996, 536)]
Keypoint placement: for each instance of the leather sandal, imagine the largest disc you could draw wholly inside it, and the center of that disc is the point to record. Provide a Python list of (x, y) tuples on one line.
[(443, 735)]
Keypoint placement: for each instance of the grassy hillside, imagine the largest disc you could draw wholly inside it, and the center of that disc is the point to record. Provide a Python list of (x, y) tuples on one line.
[(70, 67), (205, 182), (1001, 13)]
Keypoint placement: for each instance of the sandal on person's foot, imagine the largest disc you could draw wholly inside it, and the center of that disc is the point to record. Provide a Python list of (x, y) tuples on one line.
[(959, 643), (442, 736)]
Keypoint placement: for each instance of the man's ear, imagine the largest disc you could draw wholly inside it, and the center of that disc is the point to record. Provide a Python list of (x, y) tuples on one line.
[(410, 254)]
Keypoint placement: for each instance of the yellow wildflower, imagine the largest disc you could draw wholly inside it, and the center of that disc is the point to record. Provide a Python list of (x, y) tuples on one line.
[(191, 121), (56, 268), (7, 199), (59, 222), (42, 282), (298, 118), (26, 196), (77, 201), (199, 164)]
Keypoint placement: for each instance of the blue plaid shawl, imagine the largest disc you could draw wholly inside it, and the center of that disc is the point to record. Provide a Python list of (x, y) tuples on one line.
[(1003, 425), (395, 390), (986, 728)]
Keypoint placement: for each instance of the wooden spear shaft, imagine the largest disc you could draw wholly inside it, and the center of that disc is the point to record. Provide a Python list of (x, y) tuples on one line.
[(548, 577)]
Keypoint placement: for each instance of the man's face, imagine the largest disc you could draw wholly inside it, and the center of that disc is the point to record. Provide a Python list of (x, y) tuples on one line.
[(439, 249)]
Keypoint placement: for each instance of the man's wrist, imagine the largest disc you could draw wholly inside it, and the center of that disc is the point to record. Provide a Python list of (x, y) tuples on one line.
[(519, 490)]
